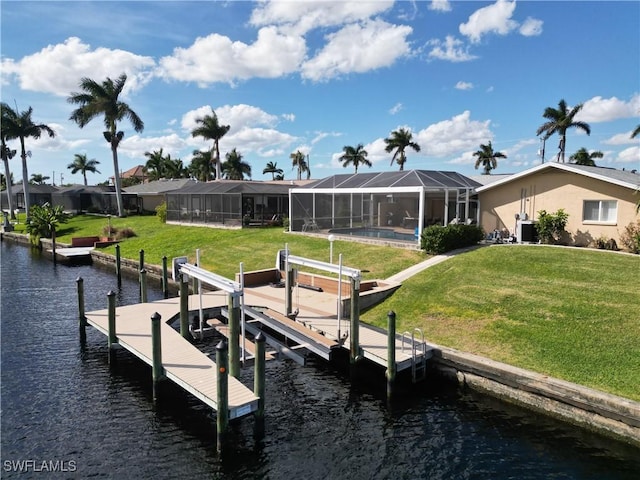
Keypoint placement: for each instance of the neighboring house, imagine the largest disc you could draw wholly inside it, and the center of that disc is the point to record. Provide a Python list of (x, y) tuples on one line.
[(93, 199), (152, 194), (600, 201), (40, 194), (135, 172)]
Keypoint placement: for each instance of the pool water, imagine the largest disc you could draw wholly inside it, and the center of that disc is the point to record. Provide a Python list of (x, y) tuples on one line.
[(376, 233)]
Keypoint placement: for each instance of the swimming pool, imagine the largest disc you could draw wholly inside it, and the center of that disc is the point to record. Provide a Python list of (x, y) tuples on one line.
[(376, 233)]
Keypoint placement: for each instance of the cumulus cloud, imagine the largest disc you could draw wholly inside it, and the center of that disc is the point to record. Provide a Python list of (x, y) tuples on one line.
[(452, 136), (531, 27), (440, 5), (451, 49), (57, 69), (620, 139), (300, 17), (630, 155), (464, 85), (494, 18), (136, 146), (358, 48), (215, 58), (598, 109)]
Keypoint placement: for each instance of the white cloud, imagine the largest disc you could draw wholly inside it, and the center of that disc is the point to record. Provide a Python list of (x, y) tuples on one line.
[(630, 155), (494, 18), (396, 108), (303, 16), (452, 136), (136, 146), (620, 139), (464, 85), (57, 69), (358, 48), (289, 117), (598, 109), (440, 5), (215, 58), (451, 50), (531, 27)]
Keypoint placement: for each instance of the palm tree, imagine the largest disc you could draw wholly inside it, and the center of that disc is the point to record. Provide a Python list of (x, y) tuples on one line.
[(156, 165), (210, 129), (102, 99), (487, 158), (235, 168), (298, 160), (38, 179), (583, 157), (272, 168), (636, 132), (399, 141), (354, 156), (559, 121), (8, 154), (83, 165), (201, 166), (20, 125), (174, 168)]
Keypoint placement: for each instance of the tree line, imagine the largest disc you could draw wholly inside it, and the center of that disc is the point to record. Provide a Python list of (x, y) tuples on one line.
[(102, 100)]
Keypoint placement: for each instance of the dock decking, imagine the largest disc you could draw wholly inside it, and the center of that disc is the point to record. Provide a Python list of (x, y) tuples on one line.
[(183, 363)]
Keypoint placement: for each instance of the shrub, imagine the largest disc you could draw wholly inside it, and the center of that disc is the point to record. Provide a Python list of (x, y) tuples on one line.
[(551, 226), (630, 238), (437, 239), (125, 232), (161, 212), (43, 221), (109, 231)]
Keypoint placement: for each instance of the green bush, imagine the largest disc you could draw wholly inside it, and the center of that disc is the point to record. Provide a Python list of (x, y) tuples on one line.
[(551, 226), (161, 212), (43, 221), (437, 239), (630, 238)]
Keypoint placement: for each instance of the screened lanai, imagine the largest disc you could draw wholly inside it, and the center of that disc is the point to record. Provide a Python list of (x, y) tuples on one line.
[(228, 203), (394, 205)]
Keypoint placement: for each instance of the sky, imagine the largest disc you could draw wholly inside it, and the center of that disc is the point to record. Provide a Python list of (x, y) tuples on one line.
[(316, 76)]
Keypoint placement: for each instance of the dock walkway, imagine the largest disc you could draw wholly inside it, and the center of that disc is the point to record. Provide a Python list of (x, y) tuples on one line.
[(183, 363)]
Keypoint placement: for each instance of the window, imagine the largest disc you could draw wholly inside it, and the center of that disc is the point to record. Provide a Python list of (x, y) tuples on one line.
[(605, 211)]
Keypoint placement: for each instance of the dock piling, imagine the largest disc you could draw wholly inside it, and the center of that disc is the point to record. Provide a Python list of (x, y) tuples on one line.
[(118, 270), (82, 319), (156, 353), (222, 417), (184, 306), (391, 353), (111, 316), (165, 282), (259, 374), (234, 336), (354, 331), (143, 286)]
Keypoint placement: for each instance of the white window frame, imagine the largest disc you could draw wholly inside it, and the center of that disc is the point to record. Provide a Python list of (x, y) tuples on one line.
[(599, 220)]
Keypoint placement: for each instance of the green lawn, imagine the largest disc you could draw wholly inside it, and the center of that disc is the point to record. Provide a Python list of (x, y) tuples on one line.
[(569, 313)]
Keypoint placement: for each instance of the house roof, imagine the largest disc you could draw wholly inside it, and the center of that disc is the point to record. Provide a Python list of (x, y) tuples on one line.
[(159, 186), (429, 179), (77, 189), (235, 187), (624, 178)]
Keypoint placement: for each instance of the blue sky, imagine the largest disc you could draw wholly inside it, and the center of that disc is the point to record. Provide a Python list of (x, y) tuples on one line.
[(316, 76)]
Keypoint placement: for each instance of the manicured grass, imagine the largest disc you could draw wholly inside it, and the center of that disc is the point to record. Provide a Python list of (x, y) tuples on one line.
[(568, 313)]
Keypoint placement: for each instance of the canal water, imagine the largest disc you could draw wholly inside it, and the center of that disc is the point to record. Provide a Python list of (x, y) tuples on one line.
[(67, 414)]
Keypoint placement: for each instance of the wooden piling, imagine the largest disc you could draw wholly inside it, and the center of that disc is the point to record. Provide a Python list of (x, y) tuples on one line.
[(234, 336), (222, 417), (82, 319), (165, 276), (143, 286), (111, 317), (259, 374), (118, 265), (184, 307), (140, 268), (391, 353), (354, 332), (156, 353)]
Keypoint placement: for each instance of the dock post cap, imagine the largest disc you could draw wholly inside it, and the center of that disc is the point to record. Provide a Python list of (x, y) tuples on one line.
[(156, 316), (111, 293), (260, 338), (391, 313), (222, 345)]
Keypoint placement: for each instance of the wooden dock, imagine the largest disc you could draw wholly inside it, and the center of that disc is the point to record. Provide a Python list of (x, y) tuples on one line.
[(182, 362)]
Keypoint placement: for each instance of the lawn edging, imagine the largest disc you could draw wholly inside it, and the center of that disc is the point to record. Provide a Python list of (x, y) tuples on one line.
[(595, 410)]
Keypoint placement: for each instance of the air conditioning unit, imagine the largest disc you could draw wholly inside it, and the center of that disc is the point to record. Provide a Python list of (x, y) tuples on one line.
[(527, 232)]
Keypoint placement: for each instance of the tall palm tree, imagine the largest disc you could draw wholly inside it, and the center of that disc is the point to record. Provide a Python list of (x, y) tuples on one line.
[(8, 154), (20, 125), (210, 129), (399, 141), (235, 168), (201, 166), (156, 165), (174, 168), (635, 132), (487, 158), (559, 121), (83, 165), (272, 168), (299, 161), (583, 157), (38, 179), (354, 156), (98, 99)]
